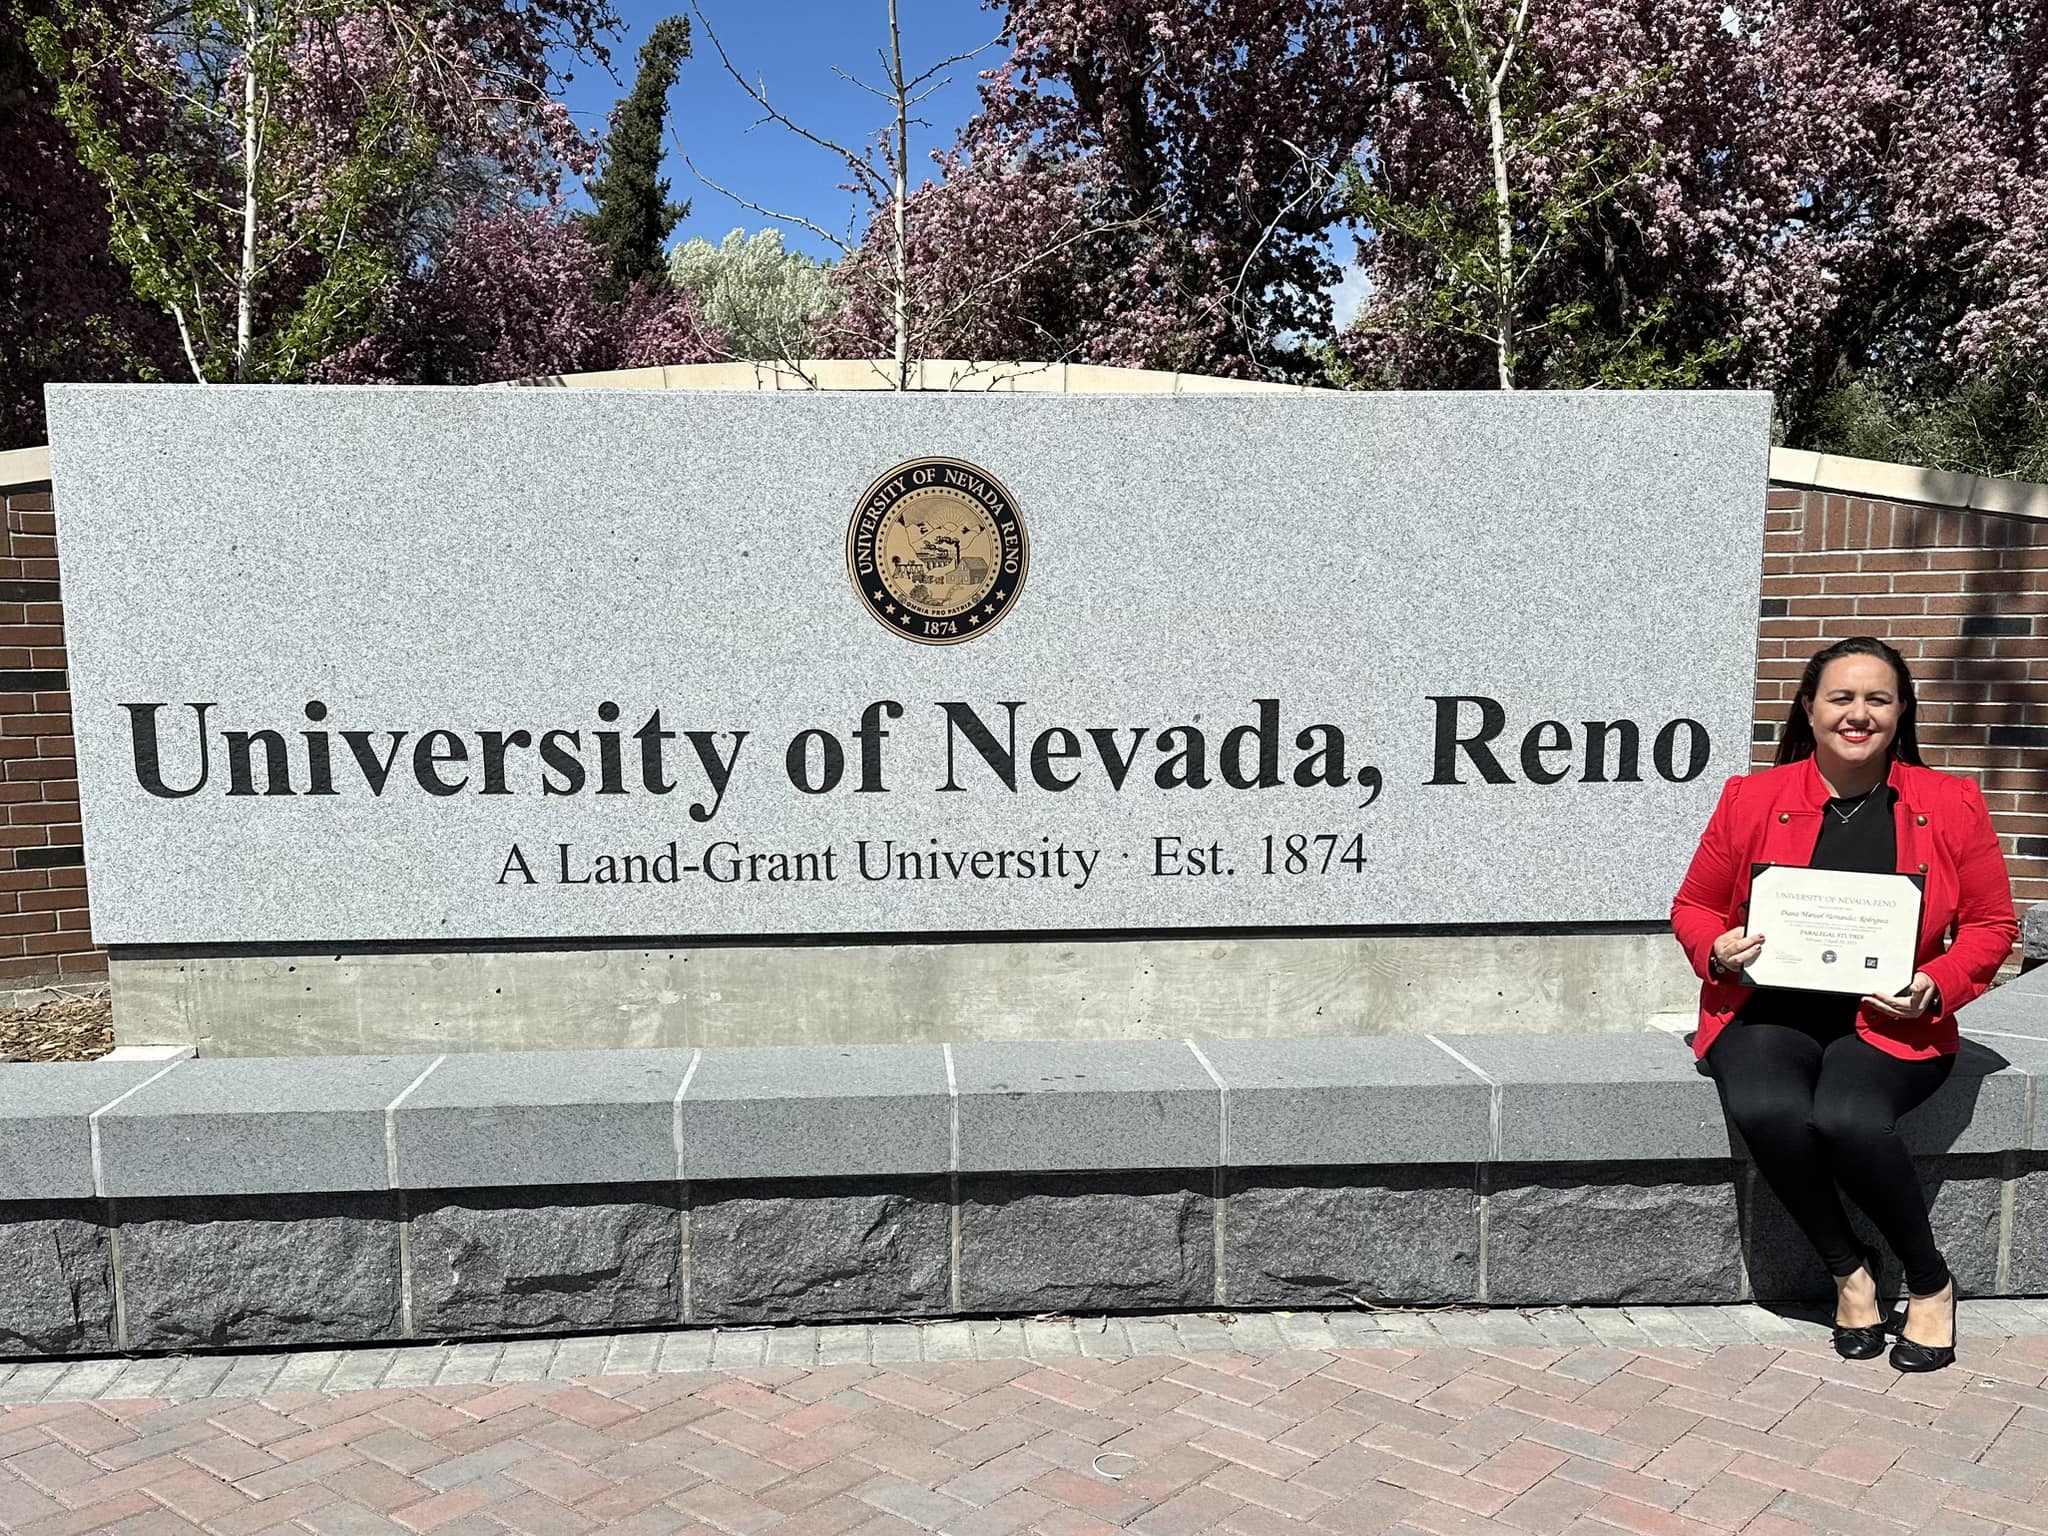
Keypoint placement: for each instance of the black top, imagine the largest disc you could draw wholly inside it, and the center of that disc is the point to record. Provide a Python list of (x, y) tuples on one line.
[(1867, 842)]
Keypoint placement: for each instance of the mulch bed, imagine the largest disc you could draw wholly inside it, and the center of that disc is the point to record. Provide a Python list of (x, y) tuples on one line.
[(68, 1029)]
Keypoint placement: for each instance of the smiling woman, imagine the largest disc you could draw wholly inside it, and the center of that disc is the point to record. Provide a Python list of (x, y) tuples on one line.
[(1816, 1081)]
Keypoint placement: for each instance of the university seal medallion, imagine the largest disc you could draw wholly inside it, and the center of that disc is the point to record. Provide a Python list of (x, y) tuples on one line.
[(937, 551)]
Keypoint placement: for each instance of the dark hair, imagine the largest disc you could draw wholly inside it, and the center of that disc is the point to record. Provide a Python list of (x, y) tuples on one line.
[(1795, 741)]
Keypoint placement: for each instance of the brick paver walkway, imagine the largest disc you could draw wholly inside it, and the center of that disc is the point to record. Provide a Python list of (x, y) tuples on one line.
[(1767, 1437)]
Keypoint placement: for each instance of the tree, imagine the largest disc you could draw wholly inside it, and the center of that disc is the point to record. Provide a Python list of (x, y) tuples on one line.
[(302, 154), (1815, 194), (514, 295), (1992, 422), (66, 308), (879, 174), (1521, 197), (1472, 236), (1152, 184), (769, 302), (633, 214)]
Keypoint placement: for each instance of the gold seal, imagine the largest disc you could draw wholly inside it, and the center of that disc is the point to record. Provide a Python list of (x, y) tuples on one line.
[(937, 551)]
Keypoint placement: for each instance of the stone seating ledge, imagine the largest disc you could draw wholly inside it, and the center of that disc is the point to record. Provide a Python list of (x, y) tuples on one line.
[(242, 1201), (228, 1126)]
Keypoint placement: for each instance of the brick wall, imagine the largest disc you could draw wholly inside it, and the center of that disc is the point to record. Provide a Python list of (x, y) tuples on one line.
[(44, 932), (1963, 595), (1964, 598)]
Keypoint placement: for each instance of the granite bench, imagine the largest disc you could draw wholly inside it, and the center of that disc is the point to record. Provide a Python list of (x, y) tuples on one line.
[(151, 1205)]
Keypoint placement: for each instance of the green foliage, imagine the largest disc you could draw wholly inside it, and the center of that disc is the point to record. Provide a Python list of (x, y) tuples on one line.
[(1589, 350), (769, 301), (1509, 267), (634, 216), (217, 236), (1983, 424)]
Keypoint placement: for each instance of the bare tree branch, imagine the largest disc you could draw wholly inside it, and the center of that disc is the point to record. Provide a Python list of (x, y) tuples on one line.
[(959, 58), (856, 162), (769, 213)]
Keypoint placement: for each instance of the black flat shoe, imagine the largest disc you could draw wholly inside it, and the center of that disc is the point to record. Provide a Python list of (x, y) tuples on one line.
[(1911, 1357), (1866, 1342)]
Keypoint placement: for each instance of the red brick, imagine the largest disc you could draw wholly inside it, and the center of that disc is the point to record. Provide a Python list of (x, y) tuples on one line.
[(39, 814), (25, 768)]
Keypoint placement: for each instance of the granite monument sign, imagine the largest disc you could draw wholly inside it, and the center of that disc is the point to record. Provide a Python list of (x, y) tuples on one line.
[(444, 665)]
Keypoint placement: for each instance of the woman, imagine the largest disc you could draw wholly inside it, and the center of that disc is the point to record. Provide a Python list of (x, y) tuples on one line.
[(1816, 1082)]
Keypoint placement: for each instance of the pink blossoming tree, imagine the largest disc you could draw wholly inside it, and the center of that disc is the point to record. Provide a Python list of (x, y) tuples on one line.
[(515, 294), (272, 167)]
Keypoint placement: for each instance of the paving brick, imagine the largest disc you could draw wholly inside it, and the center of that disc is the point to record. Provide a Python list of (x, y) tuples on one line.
[(1453, 1435), (1519, 1466), (1189, 1511), (1445, 1487), (1553, 1505), (430, 1514), (1648, 1520), (1729, 1502), (1250, 1451), (274, 1513), (1279, 1495)]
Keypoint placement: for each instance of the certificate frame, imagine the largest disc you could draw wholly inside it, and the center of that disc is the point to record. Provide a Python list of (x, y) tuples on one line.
[(1835, 931)]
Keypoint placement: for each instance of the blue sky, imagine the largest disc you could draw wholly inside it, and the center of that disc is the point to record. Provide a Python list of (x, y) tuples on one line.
[(792, 46)]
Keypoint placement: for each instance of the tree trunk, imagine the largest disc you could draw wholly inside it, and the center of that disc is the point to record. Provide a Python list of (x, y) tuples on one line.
[(245, 278), (898, 208), (1504, 242), (1493, 82)]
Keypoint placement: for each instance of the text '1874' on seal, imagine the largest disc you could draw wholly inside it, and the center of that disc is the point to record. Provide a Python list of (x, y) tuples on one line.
[(937, 551)]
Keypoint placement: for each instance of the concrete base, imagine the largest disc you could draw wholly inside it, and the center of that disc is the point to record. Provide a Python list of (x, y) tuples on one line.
[(1062, 989)]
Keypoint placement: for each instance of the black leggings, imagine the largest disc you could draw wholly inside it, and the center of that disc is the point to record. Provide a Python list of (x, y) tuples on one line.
[(1820, 1108)]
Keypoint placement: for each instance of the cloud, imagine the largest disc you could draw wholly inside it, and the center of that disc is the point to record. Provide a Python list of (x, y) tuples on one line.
[(1349, 295)]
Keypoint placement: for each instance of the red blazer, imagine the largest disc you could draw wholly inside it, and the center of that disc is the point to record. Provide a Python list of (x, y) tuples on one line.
[(1944, 833)]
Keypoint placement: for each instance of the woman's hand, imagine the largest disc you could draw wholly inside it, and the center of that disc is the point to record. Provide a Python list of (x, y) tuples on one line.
[(1919, 999), (1735, 949)]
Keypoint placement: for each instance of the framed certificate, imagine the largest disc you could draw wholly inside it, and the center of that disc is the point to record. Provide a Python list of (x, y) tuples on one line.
[(1833, 930)]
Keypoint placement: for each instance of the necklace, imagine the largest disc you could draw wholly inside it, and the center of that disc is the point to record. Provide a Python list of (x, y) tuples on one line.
[(1860, 799)]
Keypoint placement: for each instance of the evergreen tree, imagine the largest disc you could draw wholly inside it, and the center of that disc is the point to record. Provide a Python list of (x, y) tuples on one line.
[(634, 215)]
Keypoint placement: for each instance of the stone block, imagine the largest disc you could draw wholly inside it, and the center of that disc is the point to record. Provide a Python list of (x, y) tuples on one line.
[(1963, 1196), (1984, 1105), (1095, 1243), (56, 1279), (2018, 1005), (45, 1123), (1607, 492), (1339, 1102), (275, 1270), (1662, 1233), (1595, 1098), (2028, 1275), (2034, 933), (1336, 1237), (791, 1250), (256, 1126), (817, 1112), (487, 1262), (535, 1118), (1076, 1105)]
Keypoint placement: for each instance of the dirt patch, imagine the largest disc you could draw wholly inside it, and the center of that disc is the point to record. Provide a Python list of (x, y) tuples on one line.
[(68, 1029)]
